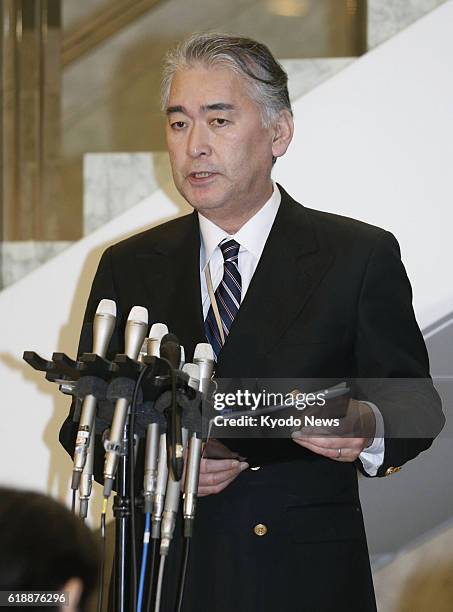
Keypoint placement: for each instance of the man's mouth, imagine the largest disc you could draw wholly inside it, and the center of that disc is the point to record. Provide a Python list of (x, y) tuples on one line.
[(203, 176)]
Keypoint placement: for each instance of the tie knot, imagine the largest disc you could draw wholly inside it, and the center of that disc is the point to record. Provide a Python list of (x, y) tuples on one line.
[(230, 250)]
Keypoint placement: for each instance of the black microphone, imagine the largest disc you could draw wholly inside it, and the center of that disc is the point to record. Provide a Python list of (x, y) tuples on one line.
[(170, 349), (174, 486)]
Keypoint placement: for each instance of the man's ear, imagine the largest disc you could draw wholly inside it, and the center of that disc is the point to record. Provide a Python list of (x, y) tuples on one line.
[(283, 133), (73, 587)]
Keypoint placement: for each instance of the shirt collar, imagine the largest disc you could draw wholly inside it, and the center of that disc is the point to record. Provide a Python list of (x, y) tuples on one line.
[(252, 236)]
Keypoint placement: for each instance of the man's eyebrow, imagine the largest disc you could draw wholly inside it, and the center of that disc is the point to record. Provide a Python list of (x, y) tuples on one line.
[(220, 106), (175, 109)]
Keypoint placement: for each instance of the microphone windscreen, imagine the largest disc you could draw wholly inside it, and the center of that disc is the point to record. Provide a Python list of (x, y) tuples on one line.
[(138, 314), (106, 307), (169, 338), (172, 352)]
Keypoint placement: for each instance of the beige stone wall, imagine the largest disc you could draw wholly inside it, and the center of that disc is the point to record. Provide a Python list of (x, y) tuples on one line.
[(30, 117), (419, 580)]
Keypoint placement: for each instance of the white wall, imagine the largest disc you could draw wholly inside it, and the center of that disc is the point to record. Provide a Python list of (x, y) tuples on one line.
[(375, 142)]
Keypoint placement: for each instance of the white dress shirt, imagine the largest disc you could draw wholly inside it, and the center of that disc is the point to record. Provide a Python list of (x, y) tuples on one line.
[(252, 237)]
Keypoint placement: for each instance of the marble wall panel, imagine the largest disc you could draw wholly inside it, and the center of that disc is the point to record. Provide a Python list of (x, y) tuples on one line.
[(388, 17), (113, 182), (19, 258)]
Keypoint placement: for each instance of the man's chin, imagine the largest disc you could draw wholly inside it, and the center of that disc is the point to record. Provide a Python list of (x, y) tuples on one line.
[(205, 200)]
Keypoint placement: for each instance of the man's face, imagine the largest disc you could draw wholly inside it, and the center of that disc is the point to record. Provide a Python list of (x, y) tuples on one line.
[(220, 153)]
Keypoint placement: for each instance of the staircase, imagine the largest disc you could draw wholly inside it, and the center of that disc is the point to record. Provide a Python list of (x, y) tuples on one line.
[(114, 48)]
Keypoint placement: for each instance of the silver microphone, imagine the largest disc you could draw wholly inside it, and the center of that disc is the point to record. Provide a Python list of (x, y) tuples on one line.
[(157, 332), (136, 327), (193, 458), (193, 371), (203, 357), (172, 497), (103, 326), (86, 481), (182, 360), (159, 495)]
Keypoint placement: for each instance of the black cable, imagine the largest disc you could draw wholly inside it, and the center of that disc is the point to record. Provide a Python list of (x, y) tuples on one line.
[(152, 575), (174, 412), (73, 503), (182, 578), (101, 570), (132, 484)]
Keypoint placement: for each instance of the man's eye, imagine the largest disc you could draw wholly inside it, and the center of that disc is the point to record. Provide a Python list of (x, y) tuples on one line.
[(219, 121), (178, 125)]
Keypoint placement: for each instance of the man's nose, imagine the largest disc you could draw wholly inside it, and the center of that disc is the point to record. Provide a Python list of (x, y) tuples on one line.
[(198, 142)]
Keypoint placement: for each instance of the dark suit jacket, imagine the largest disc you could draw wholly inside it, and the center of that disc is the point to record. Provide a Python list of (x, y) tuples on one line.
[(330, 298)]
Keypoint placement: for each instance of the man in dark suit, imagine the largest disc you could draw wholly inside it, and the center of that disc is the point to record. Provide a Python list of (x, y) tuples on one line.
[(281, 291)]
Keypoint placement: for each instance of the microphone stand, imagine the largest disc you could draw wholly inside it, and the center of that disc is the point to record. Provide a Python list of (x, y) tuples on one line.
[(122, 508), (94, 375)]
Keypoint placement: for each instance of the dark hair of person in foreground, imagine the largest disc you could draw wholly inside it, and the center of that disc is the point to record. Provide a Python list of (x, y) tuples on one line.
[(45, 547)]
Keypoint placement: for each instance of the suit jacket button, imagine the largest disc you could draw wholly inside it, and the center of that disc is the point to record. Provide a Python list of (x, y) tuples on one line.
[(392, 470), (260, 529)]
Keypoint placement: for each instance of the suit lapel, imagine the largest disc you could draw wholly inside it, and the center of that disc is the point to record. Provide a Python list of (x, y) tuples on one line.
[(291, 266), (170, 269)]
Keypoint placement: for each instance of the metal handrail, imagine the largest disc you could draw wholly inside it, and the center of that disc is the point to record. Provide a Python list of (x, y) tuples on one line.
[(101, 25)]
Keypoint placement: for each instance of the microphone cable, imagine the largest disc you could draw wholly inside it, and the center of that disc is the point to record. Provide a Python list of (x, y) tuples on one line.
[(182, 578), (146, 537), (159, 582), (132, 482), (152, 575), (102, 568)]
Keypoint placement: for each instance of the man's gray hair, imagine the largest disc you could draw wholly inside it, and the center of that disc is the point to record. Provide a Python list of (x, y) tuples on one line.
[(266, 79)]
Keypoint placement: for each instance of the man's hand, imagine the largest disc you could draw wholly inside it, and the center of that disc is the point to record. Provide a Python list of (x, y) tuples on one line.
[(216, 474), (345, 442)]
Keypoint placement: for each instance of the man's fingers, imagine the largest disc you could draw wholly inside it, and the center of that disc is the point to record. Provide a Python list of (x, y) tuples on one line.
[(331, 453), (215, 478), (216, 475), (329, 447), (218, 465), (214, 482)]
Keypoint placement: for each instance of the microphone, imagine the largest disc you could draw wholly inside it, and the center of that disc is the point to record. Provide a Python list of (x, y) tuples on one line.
[(193, 457), (136, 327), (172, 497), (173, 485), (86, 481), (203, 357), (103, 326), (154, 429), (182, 360), (170, 349), (161, 483), (157, 332), (193, 372)]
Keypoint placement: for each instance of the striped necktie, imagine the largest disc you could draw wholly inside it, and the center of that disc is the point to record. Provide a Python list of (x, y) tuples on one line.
[(227, 295)]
